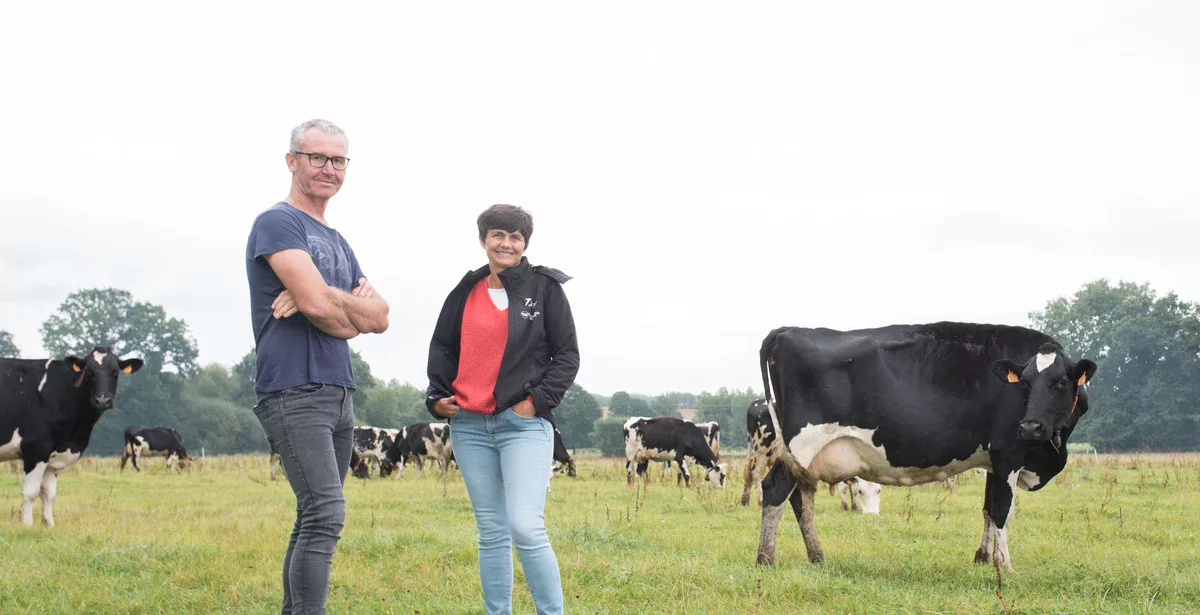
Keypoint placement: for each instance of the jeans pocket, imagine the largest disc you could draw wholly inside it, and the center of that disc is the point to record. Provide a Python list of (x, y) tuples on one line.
[(303, 390)]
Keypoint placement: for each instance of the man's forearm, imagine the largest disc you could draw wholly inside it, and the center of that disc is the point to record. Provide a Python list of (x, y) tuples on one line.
[(331, 317), (366, 315)]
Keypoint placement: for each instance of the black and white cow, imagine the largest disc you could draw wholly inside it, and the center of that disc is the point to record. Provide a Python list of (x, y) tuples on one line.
[(665, 438), (47, 411), (276, 463), (912, 404), (760, 452), (371, 445), (563, 463), (862, 494), (421, 442), (154, 442)]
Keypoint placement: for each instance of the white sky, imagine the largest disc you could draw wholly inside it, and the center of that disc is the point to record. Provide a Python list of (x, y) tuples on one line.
[(707, 172)]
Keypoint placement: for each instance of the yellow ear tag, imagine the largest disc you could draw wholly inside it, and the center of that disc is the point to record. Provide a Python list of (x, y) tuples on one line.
[(1012, 377), (128, 369), (1082, 379), (75, 367)]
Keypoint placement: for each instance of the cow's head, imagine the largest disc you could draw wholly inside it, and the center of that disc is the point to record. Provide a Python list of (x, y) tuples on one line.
[(1051, 386), (868, 495), (396, 457), (186, 460), (386, 467), (98, 372), (716, 475)]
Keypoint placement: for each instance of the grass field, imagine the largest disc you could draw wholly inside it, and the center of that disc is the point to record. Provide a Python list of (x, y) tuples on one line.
[(1116, 534)]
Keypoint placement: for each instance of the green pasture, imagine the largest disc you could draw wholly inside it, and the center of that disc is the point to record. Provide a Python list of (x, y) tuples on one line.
[(1113, 534)]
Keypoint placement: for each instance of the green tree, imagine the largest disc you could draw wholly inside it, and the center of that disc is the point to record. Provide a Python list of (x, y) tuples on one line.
[(576, 417), (625, 405), (244, 372), (7, 347), (664, 405), (608, 437), (1147, 349), (727, 408), (363, 380), (682, 400), (110, 317)]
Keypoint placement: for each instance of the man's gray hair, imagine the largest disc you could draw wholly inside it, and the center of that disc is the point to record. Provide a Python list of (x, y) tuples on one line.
[(324, 126)]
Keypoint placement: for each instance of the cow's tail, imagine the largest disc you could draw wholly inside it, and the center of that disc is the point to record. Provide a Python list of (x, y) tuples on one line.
[(764, 356), (764, 359)]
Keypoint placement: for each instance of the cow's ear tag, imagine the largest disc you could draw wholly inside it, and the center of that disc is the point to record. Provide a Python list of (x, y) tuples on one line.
[(128, 369), (75, 366), (1082, 379), (1012, 376)]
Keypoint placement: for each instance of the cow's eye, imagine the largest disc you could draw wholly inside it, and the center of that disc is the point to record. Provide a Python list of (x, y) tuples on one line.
[(1060, 384)]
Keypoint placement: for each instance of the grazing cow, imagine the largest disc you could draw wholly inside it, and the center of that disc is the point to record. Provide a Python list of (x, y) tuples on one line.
[(420, 442), (712, 435), (664, 438), (47, 411), (912, 404), (563, 463), (371, 445), (760, 452), (863, 495), (154, 442), (276, 463)]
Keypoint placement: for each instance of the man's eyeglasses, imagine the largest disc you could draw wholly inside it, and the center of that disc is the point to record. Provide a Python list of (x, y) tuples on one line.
[(318, 160)]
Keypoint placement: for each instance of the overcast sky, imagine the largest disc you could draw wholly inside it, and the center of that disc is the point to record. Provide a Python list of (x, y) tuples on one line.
[(707, 172)]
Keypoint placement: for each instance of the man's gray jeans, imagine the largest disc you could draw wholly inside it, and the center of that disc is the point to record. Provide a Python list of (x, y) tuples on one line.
[(312, 427)]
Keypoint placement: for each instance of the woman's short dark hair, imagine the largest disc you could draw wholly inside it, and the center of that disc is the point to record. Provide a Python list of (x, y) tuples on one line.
[(507, 218)]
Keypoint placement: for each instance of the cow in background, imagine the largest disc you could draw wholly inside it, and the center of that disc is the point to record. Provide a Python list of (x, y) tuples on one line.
[(862, 495), (154, 442)]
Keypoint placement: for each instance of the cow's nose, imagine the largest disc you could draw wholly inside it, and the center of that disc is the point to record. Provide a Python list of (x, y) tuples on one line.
[(1032, 431), (103, 401)]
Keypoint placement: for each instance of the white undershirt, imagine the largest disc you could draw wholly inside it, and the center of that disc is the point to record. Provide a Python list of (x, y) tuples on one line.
[(499, 298)]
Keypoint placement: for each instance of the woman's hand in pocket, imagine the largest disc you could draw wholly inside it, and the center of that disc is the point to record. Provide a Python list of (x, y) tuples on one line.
[(524, 408)]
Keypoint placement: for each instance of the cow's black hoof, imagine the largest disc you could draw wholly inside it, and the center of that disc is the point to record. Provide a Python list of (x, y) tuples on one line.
[(982, 557), (766, 560)]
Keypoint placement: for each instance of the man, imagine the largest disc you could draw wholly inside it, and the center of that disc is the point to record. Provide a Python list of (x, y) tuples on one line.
[(307, 297)]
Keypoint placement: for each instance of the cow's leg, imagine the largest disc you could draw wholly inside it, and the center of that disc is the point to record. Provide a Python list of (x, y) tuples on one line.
[(30, 489), (748, 477), (134, 457), (841, 490), (628, 471), (777, 486), (984, 554), (683, 475), (49, 490), (124, 457), (170, 460), (1003, 498), (642, 471), (803, 499)]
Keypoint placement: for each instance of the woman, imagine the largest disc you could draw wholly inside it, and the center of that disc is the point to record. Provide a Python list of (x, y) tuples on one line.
[(502, 356)]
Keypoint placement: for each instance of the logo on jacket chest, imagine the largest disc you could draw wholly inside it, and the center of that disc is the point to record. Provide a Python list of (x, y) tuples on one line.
[(530, 313)]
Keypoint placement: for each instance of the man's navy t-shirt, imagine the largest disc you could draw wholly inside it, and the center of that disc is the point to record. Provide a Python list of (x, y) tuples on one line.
[(291, 351)]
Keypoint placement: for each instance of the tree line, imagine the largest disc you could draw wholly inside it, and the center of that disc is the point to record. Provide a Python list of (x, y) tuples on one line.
[(1145, 396)]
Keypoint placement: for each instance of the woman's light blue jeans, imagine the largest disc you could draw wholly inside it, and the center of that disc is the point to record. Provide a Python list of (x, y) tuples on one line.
[(505, 462)]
